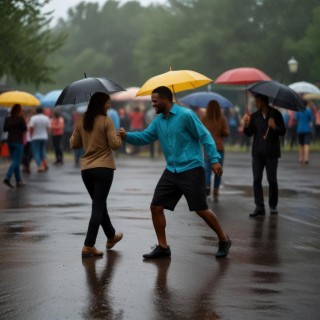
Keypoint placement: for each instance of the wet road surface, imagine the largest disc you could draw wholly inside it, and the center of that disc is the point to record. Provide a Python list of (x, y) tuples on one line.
[(272, 270)]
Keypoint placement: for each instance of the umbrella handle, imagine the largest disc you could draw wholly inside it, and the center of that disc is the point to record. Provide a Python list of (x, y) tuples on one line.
[(266, 134)]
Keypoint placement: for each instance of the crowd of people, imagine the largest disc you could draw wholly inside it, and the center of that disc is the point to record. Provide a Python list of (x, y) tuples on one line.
[(193, 145), (46, 129)]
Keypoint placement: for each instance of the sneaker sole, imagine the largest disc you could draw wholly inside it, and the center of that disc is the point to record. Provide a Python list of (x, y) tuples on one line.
[(156, 256)]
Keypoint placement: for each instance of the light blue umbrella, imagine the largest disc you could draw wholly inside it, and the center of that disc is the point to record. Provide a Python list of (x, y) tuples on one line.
[(50, 99), (201, 100)]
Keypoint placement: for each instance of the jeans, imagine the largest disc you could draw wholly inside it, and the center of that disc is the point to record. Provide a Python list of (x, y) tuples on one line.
[(78, 153), (98, 182), (217, 179), (271, 165), (39, 150), (15, 151)]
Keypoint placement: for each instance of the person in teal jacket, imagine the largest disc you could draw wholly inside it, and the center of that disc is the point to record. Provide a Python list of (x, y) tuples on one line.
[(182, 136), (304, 130)]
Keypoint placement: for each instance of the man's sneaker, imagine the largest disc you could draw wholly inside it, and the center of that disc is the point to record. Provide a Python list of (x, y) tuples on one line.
[(7, 182), (117, 237), (88, 252), (273, 211), (224, 247), (257, 212), (158, 252)]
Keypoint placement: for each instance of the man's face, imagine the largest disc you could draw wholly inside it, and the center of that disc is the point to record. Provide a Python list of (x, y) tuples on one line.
[(258, 102), (158, 104)]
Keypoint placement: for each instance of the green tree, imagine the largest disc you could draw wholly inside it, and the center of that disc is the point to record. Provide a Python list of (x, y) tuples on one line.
[(26, 41), (101, 42), (307, 50)]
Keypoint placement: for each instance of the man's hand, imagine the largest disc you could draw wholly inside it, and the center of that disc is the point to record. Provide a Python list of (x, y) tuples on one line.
[(246, 119), (122, 133), (217, 169), (271, 123)]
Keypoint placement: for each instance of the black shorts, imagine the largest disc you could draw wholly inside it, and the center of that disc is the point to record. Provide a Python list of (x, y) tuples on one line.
[(172, 186), (304, 138)]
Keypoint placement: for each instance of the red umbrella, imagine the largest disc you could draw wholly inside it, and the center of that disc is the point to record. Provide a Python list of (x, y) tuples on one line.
[(242, 76)]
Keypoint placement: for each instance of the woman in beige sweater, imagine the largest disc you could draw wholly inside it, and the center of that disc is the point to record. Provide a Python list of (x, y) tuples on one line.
[(96, 134), (217, 125)]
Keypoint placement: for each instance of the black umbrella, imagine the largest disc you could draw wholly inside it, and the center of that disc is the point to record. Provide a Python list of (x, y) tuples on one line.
[(81, 90), (279, 95)]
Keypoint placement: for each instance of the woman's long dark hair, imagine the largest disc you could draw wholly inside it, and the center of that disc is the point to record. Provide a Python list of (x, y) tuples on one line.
[(95, 108), (16, 110), (213, 112)]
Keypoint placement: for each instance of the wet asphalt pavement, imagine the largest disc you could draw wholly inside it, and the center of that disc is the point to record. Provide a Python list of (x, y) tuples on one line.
[(272, 271)]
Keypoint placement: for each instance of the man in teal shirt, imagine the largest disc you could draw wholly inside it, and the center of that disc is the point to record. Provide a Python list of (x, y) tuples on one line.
[(181, 135)]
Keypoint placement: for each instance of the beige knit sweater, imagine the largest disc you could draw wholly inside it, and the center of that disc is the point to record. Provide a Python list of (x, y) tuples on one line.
[(97, 144)]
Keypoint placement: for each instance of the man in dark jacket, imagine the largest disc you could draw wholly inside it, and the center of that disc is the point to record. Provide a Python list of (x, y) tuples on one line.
[(265, 125)]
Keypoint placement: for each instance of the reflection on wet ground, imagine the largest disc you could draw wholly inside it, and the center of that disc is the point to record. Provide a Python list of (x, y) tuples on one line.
[(272, 270), (21, 231)]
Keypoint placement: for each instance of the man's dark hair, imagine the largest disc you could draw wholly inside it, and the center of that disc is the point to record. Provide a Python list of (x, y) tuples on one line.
[(262, 97), (164, 93), (39, 110)]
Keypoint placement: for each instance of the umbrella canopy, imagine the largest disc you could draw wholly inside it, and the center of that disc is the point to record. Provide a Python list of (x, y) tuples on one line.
[(311, 96), (242, 76), (304, 87), (50, 99), (176, 81), (10, 98), (201, 100), (279, 95), (81, 90), (129, 95)]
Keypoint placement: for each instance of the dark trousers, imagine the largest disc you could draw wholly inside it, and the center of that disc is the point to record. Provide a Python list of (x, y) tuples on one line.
[(271, 165), (27, 154), (98, 182), (57, 146)]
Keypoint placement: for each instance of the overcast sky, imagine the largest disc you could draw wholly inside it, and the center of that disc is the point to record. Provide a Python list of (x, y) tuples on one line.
[(60, 7)]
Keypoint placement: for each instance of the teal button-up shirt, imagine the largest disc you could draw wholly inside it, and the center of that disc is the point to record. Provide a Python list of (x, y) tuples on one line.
[(181, 135)]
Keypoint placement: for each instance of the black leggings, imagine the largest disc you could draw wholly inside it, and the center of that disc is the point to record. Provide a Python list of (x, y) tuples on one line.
[(98, 182)]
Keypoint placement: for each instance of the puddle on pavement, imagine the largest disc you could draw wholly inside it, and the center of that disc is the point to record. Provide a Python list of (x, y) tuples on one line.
[(22, 231)]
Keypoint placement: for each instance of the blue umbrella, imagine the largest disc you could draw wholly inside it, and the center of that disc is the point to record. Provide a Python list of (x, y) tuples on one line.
[(50, 99), (201, 100)]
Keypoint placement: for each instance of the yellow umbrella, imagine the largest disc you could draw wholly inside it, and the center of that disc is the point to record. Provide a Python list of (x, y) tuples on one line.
[(10, 98), (311, 96), (178, 80)]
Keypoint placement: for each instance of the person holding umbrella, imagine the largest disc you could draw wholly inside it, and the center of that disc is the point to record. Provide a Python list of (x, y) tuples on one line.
[(181, 135), (96, 134), (265, 125)]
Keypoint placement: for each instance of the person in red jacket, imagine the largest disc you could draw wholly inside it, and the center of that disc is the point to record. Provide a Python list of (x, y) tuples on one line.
[(57, 129)]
